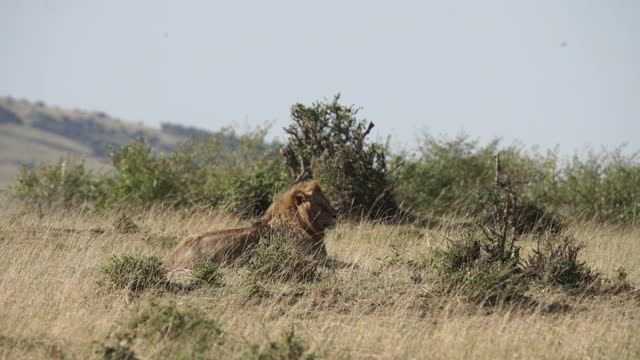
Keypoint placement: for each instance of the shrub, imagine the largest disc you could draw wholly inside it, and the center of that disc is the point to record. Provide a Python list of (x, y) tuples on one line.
[(157, 322), (458, 254), (134, 273), (603, 186), (463, 269), (487, 270), (143, 177), (202, 171), (218, 163), (555, 262), (66, 184), (250, 193), (327, 142), (165, 331), (287, 348), (446, 174)]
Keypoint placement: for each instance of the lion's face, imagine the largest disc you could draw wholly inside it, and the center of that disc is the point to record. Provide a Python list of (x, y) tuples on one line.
[(315, 212)]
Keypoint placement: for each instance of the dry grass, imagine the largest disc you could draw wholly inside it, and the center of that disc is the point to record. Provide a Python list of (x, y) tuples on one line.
[(52, 307)]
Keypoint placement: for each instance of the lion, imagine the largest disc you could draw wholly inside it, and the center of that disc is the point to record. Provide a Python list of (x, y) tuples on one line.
[(303, 211)]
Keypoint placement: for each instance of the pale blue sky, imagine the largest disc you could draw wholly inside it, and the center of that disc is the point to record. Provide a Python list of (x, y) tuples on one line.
[(544, 72)]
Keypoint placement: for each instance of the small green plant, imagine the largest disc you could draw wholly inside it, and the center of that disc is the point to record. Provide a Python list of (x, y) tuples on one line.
[(207, 273), (118, 348), (134, 273), (289, 347)]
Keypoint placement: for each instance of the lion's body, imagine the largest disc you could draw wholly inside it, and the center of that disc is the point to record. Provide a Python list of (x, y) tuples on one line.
[(303, 211), (218, 246)]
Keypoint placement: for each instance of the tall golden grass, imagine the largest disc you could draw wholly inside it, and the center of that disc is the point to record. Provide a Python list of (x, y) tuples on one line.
[(52, 307)]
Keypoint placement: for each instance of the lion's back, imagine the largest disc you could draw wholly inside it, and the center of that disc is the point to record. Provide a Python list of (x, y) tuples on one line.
[(220, 246)]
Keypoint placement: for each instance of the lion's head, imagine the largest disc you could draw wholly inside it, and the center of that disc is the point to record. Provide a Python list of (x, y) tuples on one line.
[(304, 205)]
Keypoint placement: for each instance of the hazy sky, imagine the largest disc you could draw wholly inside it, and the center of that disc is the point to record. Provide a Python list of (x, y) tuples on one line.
[(544, 72)]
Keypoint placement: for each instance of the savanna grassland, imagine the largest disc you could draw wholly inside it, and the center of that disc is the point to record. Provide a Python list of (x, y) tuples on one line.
[(380, 301), (448, 253)]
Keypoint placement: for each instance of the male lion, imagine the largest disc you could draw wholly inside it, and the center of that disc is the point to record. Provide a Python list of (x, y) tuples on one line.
[(303, 211)]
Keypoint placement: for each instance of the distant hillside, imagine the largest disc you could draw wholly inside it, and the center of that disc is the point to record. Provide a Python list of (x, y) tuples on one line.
[(32, 133)]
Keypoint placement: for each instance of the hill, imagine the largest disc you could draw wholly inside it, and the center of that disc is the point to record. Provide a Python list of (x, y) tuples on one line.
[(33, 132)]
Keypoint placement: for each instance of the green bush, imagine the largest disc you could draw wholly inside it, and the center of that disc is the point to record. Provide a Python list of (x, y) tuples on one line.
[(243, 179), (327, 142), (66, 184), (446, 174), (199, 173), (202, 171), (250, 193), (604, 186), (142, 177), (134, 273)]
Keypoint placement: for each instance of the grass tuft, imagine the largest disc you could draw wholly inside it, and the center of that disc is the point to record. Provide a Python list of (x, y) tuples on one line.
[(555, 262), (207, 273), (277, 258), (134, 273), (288, 347)]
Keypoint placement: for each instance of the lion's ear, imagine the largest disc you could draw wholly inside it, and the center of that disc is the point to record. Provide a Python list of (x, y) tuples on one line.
[(299, 197)]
